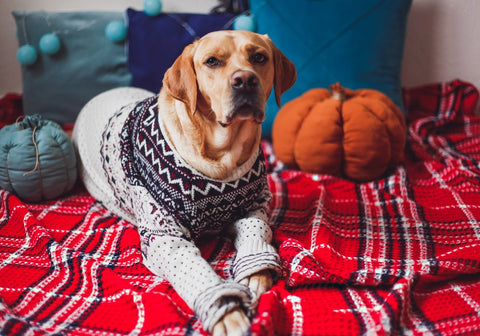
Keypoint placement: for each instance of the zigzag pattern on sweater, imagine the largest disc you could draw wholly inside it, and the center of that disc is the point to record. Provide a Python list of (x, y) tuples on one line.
[(159, 142), (196, 201)]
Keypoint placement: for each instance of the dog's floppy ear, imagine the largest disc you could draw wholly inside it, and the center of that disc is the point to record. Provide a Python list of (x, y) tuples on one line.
[(180, 79), (285, 73)]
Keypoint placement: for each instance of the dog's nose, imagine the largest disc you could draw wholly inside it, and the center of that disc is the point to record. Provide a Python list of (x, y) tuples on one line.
[(244, 80)]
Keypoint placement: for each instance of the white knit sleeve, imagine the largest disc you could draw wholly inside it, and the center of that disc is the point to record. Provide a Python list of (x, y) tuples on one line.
[(169, 252), (253, 237)]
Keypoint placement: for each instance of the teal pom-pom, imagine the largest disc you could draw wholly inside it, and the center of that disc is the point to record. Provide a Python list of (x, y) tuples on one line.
[(27, 54), (50, 44), (152, 7), (116, 31), (245, 22)]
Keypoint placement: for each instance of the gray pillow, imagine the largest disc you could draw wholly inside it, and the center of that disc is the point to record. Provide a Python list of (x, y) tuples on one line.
[(57, 86)]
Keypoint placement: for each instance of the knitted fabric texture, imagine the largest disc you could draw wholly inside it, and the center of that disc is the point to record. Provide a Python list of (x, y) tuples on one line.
[(397, 256), (197, 202), (173, 206)]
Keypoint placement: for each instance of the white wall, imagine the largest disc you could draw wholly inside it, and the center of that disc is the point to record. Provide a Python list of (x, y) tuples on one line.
[(442, 42), (442, 38)]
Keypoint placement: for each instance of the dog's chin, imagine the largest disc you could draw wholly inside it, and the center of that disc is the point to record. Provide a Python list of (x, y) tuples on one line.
[(243, 113)]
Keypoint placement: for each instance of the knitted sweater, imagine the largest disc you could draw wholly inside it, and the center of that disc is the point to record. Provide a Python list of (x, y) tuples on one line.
[(173, 206)]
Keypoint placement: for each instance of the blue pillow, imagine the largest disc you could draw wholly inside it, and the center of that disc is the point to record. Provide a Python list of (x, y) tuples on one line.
[(155, 42), (356, 43), (57, 86)]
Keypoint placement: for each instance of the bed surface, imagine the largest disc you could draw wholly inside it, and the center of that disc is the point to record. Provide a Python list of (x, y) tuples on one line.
[(399, 255)]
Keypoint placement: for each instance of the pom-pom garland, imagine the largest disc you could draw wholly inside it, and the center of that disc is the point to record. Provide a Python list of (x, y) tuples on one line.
[(27, 54), (245, 22), (116, 31), (49, 44), (152, 7)]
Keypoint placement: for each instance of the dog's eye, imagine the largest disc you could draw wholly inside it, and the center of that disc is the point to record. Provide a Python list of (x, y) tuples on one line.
[(212, 62), (259, 58)]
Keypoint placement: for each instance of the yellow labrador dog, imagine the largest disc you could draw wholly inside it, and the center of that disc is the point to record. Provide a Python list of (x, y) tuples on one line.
[(187, 163)]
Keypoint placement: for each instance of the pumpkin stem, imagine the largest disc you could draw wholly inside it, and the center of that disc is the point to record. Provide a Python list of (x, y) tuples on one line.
[(338, 92)]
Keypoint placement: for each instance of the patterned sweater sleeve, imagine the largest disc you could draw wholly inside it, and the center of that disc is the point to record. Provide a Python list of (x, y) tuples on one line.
[(253, 237), (169, 252)]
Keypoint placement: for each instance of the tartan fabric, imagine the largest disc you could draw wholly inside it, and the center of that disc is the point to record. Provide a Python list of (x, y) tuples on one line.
[(399, 255)]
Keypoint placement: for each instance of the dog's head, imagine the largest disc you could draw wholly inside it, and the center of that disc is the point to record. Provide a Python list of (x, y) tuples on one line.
[(228, 76)]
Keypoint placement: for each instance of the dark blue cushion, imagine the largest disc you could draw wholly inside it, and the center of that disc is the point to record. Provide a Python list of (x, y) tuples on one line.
[(155, 42), (356, 43)]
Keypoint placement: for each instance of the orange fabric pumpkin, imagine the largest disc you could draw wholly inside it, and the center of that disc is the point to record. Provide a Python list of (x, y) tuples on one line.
[(357, 134)]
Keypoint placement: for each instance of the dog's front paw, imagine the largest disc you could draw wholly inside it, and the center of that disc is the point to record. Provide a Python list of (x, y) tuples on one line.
[(234, 323), (258, 283)]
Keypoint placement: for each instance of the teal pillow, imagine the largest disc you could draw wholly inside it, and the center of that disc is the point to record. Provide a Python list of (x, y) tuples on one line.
[(356, 43), (57, 86)]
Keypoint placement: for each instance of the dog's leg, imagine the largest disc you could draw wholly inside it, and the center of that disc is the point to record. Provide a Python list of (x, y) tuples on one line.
[(169, 253), (258, 283), (257, 261), (233, 324)]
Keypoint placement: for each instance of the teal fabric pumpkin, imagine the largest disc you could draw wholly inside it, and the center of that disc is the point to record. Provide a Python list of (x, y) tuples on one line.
[(37, 159)]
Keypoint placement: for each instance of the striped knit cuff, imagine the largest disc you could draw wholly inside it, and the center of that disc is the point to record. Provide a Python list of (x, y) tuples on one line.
[(256, 257), (219, 300)]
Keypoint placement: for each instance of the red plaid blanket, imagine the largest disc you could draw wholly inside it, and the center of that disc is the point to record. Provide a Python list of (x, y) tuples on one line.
[(400, 255)]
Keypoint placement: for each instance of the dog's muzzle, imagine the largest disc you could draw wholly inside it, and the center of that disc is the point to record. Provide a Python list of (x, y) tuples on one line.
[(245, 98)]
